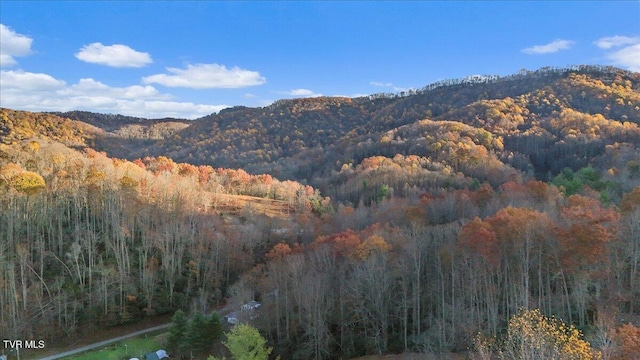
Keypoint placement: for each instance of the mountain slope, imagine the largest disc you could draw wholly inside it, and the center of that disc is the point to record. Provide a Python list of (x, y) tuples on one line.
[(256, 138), (531, 124), (16, 126)]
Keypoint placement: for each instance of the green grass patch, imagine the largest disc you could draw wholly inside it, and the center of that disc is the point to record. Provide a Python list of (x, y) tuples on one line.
[(125, 349)]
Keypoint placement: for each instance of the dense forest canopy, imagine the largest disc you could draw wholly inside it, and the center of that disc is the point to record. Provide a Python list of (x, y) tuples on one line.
[(388, 223)]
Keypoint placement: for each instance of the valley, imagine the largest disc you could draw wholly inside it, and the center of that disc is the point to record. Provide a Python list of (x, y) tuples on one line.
[(385, 224)]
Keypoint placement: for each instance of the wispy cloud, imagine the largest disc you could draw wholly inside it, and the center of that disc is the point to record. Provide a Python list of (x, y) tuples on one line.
[(353, 96), (13, 45), (627, 50), (549, 48), (616, 41), (299, 93), (42, 92), (97, 88), (117, 55), (207, 76), (380, 84), (387, 85), (627, 57)]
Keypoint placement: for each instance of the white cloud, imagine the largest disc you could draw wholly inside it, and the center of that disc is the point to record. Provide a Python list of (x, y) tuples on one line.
[(41, 92), (356, 95), (549, 48), (162, 109), (627, 52), (116, 55), (616, 41), (28, 82), (265, 102), (13, 44), (96, 88), (352, 96), (207, 76), (299, 93), (628, 57), (387, 85), (380, 84)]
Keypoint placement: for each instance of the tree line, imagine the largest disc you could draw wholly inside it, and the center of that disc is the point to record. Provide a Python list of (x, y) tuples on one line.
[(412, 286), (87, 240)]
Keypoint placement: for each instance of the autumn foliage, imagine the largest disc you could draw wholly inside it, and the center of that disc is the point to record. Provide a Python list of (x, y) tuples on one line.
[(388, 223), (532, 335)]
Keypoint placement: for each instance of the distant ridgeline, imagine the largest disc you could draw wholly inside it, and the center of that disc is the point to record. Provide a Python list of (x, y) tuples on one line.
[(544, 72)]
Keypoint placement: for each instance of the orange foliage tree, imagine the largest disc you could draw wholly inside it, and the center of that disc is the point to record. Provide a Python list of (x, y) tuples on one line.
[(628, 341), (588, 228)]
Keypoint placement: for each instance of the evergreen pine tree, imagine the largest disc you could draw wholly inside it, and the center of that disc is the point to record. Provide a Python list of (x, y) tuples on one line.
[(214, 326), (177, 342), (198, 333)]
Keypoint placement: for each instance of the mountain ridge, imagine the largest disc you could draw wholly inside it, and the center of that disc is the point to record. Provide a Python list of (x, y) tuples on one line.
[(573, 112)]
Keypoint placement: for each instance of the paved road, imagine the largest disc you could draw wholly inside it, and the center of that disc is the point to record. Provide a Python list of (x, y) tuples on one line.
[(104, 343)]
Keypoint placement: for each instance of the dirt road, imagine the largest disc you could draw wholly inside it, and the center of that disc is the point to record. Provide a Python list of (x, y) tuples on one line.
[(105, 342)]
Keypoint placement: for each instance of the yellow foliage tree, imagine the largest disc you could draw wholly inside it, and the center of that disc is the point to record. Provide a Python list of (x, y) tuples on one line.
[(127, 182), (32, 146), (94, 175), (531, 336), (28, 182), (7, 172), (370, 246)]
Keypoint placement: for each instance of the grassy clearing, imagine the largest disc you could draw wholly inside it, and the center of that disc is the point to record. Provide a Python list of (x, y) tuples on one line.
[(135, 347)]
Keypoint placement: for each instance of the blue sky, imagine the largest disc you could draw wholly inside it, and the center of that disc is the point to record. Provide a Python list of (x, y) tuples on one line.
[(189, 59)]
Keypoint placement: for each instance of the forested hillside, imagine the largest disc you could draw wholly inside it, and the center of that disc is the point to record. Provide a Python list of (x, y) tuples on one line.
[(524, 112), (88, 240), (391, 223), (573, 114)]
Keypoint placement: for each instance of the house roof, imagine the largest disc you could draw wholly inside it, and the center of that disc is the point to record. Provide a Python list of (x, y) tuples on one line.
[(151, 356), (157, 355), (251, 305)]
